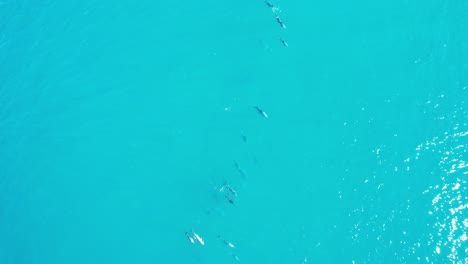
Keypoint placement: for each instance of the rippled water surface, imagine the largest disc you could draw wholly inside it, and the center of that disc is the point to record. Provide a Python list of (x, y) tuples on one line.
[(126, 124)]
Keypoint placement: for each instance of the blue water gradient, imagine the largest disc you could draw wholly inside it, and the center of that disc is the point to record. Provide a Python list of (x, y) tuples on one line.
[(120, 121)]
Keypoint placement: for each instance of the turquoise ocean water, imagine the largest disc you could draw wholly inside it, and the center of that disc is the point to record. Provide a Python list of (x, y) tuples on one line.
[(120, 122)]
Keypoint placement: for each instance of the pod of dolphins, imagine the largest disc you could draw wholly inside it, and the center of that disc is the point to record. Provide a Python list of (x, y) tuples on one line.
[(191, 235)]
